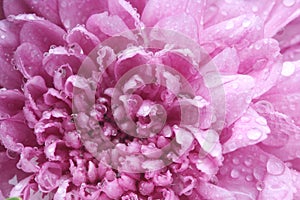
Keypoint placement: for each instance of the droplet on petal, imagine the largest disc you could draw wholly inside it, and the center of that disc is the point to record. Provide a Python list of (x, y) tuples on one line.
[(260, 185), (235, 173), (275, 166), (288, 69), (288, 3), (254, 134)]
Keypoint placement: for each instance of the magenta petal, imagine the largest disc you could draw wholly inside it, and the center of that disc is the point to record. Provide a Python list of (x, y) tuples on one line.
[(86, 40), (250, 173), (250, 129), (77, 12), (28, 58), (11, 103), (15, 7), (42, 33), (47, 9), (15, 134), (104, 25), (8, 171)]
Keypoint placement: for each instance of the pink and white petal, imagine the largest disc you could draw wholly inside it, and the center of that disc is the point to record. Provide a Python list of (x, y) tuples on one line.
[(77, 12), (250, 173), (15, 7), (262, 61), (227, 61), (28, 59), (86, 40), (42, 33), (282, 13), (59, 56), (10, 78), (250, 129), (9, 174), (238, 95), (126, 12), (104, 25), (217, 11), (47, 9), (11, 103), (181, 23)]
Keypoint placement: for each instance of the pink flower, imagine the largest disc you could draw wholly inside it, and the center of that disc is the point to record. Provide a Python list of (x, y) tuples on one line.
[(149, 99)]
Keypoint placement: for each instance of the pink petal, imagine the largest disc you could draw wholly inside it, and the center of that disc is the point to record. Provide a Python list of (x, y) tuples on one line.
[(104, 25), (227, 61), (215, 192), (282, 13), (250, 173), (47, 9), (11, 103), (262, 61), (28, 58), (250, 129), (15, 134), (237, 32), (77, 12), (86, 40), (181, 23), (9, 77), (9, 34), (15, 7), (8, 171), (42, 33), (238, 95)]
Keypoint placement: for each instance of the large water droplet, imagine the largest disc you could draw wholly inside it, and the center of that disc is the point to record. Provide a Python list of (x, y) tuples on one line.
[(288, 3), (260, 185), (275, 166), (235, 173), (249, 178), (248, 162), (288, 69), (254, 134)]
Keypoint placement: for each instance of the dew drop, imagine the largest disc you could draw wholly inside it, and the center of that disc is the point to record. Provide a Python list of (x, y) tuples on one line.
[(235, 173), (248, 162), (254, 134), (260, 185), (229, 25), (246, 23), (245, 119), (261, 121), (249, 178), (258, 173), (288, 3), (235, 161), (288, 69), (275, 166)]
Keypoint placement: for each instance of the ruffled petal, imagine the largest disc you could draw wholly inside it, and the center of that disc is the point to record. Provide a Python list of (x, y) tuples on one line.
[(77, 12)]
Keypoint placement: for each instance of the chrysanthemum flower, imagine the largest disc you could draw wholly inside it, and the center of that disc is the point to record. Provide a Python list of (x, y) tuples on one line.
[(149, 99)]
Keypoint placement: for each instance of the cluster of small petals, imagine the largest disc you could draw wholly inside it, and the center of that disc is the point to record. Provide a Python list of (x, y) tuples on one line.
[(235, 136)]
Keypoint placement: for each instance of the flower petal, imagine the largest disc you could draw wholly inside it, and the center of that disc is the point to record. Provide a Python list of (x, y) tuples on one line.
[(77, 12), (42, 33), (15, 7), (250, 129), (11, 103), (250, 173)]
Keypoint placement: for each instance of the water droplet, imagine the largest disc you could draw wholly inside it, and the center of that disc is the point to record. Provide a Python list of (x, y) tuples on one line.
[(261, 121), (248, 162), (288, 69), (249, 178), (275, 166), (229, 25), (254, 134), (245, 119), (288, 3), (246, 23), (259, 173), (260, 185), (254, 8), (235, 161), (235, 173)]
